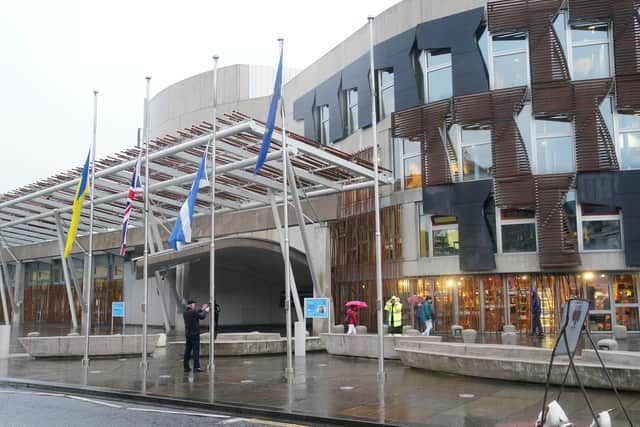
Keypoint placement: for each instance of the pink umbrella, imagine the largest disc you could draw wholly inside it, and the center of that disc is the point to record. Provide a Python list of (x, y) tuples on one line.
[(413, 299), (359, 304)]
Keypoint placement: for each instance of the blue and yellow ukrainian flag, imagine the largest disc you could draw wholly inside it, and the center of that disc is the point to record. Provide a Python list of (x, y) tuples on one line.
[(81, 191)]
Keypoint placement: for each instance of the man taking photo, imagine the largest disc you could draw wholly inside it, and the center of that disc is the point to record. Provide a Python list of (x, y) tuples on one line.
[(192, 318)]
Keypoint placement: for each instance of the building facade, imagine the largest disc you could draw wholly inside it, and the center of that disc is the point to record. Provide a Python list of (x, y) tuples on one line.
[(513, 131), (513, 137)]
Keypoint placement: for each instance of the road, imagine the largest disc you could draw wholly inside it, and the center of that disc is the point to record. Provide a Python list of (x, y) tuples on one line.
[(26, 408)]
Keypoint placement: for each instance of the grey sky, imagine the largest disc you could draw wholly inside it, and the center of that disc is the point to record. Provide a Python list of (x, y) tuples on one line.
[(55, 53)]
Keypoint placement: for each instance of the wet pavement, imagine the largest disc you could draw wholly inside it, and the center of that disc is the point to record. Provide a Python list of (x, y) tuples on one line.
[(330, 386)]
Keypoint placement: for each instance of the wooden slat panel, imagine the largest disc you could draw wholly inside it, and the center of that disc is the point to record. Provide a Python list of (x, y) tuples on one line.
[(556, 245)]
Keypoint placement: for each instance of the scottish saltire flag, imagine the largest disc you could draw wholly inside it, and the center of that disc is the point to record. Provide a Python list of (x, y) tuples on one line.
[(182, 230), (271, 119), (81, 191), (134, 189)]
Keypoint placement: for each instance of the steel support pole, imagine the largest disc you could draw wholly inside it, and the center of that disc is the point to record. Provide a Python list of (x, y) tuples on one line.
[(144, 364), (376, 190), (156, 246), (287, 260), (7, 280), (5, 310), (89, 274), (65, 271), (18, 289), (212, 251), (294, 288), (303, 228)]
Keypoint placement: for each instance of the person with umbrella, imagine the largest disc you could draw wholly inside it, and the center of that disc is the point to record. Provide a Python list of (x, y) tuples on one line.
[(352, 315), (353, 320)]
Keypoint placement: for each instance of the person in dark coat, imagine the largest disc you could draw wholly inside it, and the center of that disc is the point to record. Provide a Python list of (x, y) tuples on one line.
[(192, 319), (216, 317), (536, 310)]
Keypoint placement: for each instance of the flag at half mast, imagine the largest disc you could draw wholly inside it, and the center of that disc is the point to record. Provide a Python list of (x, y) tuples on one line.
[(271, 119), (78, 200), (182, 229), (134, 189)]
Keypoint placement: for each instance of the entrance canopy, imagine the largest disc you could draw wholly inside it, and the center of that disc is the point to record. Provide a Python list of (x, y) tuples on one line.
[(28, 214)]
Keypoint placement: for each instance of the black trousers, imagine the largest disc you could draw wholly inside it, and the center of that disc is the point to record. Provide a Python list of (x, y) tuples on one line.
[(192, 344)]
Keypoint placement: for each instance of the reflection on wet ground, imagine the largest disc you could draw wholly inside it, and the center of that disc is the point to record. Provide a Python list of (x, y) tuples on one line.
[(329, 386)]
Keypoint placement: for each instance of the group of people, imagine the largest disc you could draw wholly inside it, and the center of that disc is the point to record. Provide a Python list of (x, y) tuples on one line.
[(423, 310)]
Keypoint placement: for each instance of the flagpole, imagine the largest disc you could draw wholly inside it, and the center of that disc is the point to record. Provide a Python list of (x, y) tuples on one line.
[(89, 273), (285, 203), (145, 364), (212, 265), (376, 191)]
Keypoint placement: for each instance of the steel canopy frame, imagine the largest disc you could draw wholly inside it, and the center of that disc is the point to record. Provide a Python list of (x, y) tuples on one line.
[(27, 214)]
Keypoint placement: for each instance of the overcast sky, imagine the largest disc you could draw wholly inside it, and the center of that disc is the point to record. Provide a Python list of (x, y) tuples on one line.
[(55, 53)]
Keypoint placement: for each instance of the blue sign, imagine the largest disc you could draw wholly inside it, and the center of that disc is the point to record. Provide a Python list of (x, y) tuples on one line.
[(117, 309), (316, 308)]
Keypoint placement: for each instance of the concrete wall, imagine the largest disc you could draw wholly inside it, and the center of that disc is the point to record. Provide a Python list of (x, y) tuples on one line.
[(134, 297), (242, 87)]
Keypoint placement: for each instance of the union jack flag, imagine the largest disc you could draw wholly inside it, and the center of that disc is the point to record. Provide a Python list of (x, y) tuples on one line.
[(134, 189)]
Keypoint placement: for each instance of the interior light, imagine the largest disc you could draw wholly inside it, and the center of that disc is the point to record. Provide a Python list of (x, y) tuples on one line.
[(603, 275), (524, 277), (588, 275), (449, 283)]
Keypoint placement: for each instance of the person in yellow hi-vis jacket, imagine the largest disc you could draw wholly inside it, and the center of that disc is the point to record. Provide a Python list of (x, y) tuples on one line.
[(393, 307)]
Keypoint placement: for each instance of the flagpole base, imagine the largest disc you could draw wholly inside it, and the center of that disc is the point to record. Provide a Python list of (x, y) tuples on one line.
[(288, 373)]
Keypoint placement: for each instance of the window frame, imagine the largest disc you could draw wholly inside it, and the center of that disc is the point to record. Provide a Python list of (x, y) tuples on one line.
[(351, 119), (401, 162), (500, 221), (459, 144), (534, 141), (430, 230), (426, 69), (570, 44), (618, 131), (381, 89), (321, 120), (581, 218), (492, 55)]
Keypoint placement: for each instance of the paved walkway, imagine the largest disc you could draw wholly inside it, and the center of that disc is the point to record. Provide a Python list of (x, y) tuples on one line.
[(326, 385)]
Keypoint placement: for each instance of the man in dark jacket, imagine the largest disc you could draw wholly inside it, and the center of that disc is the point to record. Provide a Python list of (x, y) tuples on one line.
[(192, 319), (536, 310)]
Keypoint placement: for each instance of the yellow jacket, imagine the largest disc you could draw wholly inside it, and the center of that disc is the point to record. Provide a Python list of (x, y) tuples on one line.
[(394, 317)]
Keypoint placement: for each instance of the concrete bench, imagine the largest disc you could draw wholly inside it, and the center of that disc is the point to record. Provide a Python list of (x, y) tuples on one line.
[(361, 330), (337, 329), (405, 328), (620, 332), (469, 336), (412, 332), (612, 357), (509, 338), (509, 328), (99, 345), (607, 344)]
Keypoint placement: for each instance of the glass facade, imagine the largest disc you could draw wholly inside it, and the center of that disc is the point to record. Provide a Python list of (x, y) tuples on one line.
[(438, 75), (45, 295), (387, 96), (477, 161), (628, 142), (554, 145), (488, 302), (351, 110), (510, 65), (590, 51)]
